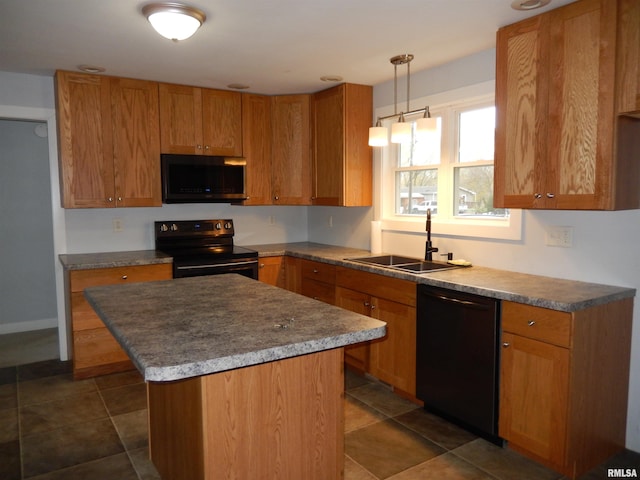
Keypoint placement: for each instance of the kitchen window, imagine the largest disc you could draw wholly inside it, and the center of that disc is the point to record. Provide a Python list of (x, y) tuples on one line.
[(448, 171)]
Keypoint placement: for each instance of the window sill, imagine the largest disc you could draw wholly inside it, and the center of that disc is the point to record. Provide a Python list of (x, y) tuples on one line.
[(500, 229)]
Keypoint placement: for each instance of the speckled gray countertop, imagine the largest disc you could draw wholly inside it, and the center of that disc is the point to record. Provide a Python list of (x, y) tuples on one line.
[(548, 292), (86, 261), (175, 329)]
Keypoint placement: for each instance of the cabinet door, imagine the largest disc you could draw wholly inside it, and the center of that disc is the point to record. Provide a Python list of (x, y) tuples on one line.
[(328, 159), (221, 122), (291, 160), (534, 383), (342, 173), (581, 106), (83, 106), (271, 270), (520, 167), (393, 358), (256, 141), (357, 356), (136, 143), (180, 119)]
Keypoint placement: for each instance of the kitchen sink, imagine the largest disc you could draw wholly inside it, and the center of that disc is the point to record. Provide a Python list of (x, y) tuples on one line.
[(425, 266), (408, 264), (385, 260)]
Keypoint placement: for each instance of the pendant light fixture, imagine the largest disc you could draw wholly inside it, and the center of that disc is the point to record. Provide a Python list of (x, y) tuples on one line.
[(400, 130), (174, 20)]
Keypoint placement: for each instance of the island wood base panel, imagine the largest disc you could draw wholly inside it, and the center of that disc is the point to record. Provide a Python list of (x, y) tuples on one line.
[(279, 420)]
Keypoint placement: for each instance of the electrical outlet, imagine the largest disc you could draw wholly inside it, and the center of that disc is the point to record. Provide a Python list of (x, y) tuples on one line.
[(117, 225), (330, 221), (272, 220), (559, 237)]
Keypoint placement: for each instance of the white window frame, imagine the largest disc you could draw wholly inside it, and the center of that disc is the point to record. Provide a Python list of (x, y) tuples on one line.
[(509, 228)]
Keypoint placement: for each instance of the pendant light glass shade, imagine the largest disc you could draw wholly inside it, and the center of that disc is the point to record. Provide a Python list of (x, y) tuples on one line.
[(378, 136), (173, 20), (401, 131), (425, 126)]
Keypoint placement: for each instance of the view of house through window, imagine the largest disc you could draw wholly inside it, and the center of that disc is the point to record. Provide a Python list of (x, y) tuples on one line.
[(449, 170)]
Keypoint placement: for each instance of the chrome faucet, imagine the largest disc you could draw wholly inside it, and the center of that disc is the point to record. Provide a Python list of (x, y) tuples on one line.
[(429, 249)]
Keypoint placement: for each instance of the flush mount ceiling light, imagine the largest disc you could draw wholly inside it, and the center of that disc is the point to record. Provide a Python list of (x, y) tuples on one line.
[(174, 20), (401, 130), (528, 4)]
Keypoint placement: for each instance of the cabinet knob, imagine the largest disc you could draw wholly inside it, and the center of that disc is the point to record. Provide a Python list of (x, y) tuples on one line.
[(124, 277), (262, 265), (550, 195), (506, 344), (366, 304), (119, 199), (110, 199), (199, 147), (315, 270), (276, 197), (372, 306), (531, 323), (206, 147), (537, 195)]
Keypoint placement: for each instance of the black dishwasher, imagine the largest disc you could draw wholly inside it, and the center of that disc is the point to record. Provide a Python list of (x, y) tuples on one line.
[(457, 358)]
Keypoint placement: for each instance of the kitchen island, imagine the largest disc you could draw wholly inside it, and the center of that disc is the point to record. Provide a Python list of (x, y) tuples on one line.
[(244, 380)]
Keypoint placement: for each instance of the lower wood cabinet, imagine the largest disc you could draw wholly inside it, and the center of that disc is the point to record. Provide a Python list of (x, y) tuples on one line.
[(271, 270), (95, 351), (393, 358), (564, 383), (318, 281)]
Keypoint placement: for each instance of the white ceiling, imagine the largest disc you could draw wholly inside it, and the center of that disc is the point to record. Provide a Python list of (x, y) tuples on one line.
[(274, 46)]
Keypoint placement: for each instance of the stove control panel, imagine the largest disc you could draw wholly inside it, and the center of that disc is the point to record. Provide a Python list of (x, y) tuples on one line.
[(222, 227)]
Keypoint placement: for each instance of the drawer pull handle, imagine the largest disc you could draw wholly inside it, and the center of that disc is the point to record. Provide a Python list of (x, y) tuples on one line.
[(506, 344), (124, 277), (531, 323)]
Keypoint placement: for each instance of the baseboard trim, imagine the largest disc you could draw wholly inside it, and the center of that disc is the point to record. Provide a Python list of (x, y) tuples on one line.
[(28, 326)]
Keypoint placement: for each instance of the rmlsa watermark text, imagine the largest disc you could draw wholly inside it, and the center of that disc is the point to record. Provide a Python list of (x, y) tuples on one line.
[(622, 473)]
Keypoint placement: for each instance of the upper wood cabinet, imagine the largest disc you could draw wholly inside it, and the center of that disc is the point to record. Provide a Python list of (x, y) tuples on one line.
[(566, 91), (200, 121), (291, 151), (108, 141), (257, 145), (342, 167)]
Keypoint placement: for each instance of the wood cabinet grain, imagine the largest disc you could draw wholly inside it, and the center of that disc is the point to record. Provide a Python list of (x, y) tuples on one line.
[(566, 131), (95, 351), (342, 160), (564, 383), (200, 121)]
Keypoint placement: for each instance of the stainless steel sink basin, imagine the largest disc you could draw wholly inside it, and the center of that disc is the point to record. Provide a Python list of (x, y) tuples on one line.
[(408, 264), (386, 260)]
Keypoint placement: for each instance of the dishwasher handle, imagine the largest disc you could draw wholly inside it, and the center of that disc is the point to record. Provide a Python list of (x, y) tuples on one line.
[(460, 301)]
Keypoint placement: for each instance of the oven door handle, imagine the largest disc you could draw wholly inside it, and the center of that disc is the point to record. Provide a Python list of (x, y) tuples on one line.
[(215, 265)]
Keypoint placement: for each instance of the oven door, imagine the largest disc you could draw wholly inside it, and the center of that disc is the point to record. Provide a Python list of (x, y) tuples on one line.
[(198, 267)]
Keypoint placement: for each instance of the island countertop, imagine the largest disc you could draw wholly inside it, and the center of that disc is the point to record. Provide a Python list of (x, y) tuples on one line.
[(187, 327)]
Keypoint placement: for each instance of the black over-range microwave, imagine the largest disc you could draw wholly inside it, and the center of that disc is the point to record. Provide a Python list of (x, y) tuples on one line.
[(202, 179)]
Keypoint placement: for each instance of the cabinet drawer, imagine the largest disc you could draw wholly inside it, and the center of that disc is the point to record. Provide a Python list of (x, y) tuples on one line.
[(81, 279), (395, 289), (322, 272), (537, 323), (324, 292)]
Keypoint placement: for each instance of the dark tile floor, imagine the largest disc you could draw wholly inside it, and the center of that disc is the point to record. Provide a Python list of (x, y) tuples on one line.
[(54, 428)]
